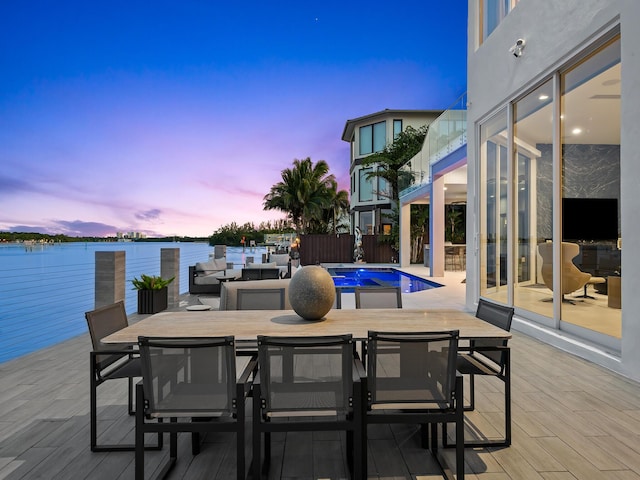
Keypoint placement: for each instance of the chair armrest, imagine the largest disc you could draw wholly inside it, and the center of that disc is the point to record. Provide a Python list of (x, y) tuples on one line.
[(243, 385), (359, 372), (251, 368), (114, 351), (484, 348)]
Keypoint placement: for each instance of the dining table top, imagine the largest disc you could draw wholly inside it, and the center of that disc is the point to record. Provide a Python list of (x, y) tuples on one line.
[(248, 324)]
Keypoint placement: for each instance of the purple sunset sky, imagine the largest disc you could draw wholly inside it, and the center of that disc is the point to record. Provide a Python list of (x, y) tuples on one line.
[(175, 118)]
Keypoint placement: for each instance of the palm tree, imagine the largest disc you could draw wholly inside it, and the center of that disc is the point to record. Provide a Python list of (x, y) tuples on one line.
[(338, 205), (304, 193)]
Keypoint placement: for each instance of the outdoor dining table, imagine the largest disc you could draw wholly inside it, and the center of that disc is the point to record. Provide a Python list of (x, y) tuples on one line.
[(246, 325)]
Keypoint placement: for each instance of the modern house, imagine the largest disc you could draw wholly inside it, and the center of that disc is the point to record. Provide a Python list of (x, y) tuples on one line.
[(370, 134), (552, 173)]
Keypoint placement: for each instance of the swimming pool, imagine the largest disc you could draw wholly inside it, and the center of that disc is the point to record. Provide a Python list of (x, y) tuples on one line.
[(348, 278)]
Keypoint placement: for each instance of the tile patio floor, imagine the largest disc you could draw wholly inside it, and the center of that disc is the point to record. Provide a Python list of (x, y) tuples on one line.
[(571, 420)]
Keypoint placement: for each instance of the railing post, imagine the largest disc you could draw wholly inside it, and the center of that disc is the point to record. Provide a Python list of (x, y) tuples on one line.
[(170, 267), (109, 278)]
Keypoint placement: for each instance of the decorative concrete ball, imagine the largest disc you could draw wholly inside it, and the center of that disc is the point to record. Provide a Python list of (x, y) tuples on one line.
[(312, 292)]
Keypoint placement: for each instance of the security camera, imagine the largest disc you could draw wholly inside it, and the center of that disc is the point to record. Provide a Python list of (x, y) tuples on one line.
[(518, 48)]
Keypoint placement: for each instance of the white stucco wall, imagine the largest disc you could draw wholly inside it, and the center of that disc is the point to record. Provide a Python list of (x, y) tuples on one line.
[(556, 31)]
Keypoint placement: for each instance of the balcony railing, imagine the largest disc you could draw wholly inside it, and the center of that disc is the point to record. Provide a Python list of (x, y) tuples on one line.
[(446, 134)]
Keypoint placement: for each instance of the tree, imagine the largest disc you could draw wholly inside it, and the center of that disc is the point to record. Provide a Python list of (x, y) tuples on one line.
[(306, 194), (337, 210), (393, 157), (388, 165)]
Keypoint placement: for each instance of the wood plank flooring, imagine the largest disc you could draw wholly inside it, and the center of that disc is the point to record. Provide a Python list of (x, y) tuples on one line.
[(571, 420)]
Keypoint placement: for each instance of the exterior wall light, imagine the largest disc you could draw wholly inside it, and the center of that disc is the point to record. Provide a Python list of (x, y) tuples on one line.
[(518, 49)]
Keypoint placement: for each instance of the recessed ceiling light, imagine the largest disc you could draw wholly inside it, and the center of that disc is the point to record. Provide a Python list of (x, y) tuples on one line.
[(576, 131), (543, 96)]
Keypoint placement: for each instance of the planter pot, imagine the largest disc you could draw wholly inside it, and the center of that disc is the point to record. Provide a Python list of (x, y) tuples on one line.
[(152, 301)]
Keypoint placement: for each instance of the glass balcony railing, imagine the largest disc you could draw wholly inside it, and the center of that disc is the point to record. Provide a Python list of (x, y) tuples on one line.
[(446, 134)]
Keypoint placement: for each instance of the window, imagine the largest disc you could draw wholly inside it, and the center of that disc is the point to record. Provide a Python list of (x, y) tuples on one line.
[(366, 223), (493, 12), (590, 133), (551, 184), (493, 208), (533, 195), (373, 138), (397, 128), (366, 186), (384, 189)]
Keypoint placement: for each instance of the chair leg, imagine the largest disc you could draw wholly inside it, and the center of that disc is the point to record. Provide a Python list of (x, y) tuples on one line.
[(240, 418), (424, 436), (173, 442), (139, 434), (195, 443), (433, 441), (256, 463), (93, 409), (130, 399), (507, 400), (506, 440), (472, 393), (94, 383), (459, 431)]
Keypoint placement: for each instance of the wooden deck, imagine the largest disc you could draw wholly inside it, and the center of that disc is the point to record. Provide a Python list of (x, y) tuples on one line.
[(571, 420)]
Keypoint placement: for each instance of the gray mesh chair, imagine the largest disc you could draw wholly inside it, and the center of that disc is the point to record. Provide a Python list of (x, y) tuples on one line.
[(489, 357), (378, 297), (194, 380), (110, 362), (307, 384), (412, 379), (260, 299), (337, 302)]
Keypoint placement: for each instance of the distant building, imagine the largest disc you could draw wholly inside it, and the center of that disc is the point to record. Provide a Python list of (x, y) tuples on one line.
[(369, 198)]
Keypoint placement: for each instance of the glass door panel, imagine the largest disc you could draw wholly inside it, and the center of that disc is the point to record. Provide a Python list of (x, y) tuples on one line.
[(590, 130), (533, 194), (493, 208)]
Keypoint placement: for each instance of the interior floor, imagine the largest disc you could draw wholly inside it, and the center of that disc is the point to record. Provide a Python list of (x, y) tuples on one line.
[(590, 313)]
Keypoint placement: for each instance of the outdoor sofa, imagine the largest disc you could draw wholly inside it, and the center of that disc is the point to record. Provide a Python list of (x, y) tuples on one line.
[(204, 277)]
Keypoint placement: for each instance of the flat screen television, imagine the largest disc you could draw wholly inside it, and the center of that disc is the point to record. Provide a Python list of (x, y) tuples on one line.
[(590, 219)]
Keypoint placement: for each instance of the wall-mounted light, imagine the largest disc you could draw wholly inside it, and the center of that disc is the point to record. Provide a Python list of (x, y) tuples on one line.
[(518, 49)]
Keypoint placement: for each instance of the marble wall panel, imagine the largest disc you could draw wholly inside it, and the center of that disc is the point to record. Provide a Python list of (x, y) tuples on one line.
[(589, 171)]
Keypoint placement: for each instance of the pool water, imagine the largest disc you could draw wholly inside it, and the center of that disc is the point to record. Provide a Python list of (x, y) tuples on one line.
[(348, 278)]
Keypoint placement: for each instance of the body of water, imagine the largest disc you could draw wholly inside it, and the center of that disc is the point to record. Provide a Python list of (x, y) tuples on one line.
[(45, 289)]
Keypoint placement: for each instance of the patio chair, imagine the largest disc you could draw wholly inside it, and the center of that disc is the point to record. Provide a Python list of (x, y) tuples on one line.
[(194, 380), (337, 302), (307, 384), (108, 362), (378, 297), (260, 299), (412, 379), (489, 357)]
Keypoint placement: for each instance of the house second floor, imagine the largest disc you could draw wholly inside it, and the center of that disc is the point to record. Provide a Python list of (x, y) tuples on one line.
[(370, 134)]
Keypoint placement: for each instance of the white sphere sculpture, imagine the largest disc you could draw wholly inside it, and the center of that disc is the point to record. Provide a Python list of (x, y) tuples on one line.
[(312, 292)]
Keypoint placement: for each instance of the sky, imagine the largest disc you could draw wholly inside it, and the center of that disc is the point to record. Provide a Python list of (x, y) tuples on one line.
[(177, 117)]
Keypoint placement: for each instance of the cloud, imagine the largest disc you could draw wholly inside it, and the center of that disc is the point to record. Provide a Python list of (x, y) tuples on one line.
[(9, 185), (79, 228), (75, 228), (149, 215)]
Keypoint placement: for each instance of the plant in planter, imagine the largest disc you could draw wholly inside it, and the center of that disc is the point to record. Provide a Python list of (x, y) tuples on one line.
[(152, 293)]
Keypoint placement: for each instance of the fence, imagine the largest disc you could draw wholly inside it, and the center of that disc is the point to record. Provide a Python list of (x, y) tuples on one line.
[(339, 249)]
